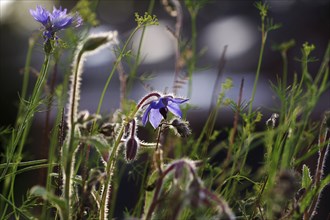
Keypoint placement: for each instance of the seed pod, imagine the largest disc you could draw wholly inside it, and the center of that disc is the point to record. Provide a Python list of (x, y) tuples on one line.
[(132, 146)]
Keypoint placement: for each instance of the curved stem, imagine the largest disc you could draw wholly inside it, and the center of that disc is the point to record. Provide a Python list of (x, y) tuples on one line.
[(68, 151), (110, 166), (112, 159), (114, 69)]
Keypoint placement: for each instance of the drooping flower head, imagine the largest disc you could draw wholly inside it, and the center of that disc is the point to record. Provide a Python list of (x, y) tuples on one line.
[(55, 21), (157, 109)]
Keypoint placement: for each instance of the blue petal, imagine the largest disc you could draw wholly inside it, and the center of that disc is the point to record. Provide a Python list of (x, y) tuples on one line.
[(175, 109), (178, 100), (59, 12), (157, 104), (60, 23), (155, 118), (77, 20), (41, 15), (145, 116)]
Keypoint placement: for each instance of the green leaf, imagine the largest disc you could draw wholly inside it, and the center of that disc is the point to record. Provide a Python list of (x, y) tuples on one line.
[(25, 169), (56, 201), (306, 177), (149, 193), (25, 163), (312, 193), (99, 142), (86, 10)]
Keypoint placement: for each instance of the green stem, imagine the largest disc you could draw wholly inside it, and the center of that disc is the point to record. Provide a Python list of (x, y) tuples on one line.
[(107, 183), (257, 74), (285, 69), (24, 128), (113, 71), (112, 160), (284, 85), (68, 151), (25, 78), (138, 53), (192, 63)]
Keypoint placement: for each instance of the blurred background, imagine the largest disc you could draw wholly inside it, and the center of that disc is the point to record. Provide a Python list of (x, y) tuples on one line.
[(219, 23)]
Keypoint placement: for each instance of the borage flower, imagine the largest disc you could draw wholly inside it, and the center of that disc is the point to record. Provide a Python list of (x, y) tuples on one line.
[(157, 109), (56, 21)]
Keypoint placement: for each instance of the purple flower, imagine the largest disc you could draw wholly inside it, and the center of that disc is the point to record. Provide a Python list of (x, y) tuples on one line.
[(157, 110), (55, 21)]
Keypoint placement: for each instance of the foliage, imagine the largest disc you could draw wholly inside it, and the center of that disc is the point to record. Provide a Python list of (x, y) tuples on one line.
[(177, 174)]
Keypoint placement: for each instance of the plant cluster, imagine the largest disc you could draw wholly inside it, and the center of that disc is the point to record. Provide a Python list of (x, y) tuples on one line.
[(177, 172)]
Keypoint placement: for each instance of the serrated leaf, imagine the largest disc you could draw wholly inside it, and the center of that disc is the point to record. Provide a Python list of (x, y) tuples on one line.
[(312, 193), (306, 177)]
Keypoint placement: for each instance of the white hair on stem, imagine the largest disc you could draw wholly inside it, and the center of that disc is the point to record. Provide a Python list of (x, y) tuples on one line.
[(91, 45)]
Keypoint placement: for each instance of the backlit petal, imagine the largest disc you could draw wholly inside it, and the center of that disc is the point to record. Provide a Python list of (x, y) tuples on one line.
[(155, 117), (145, 116), (178, 100), (175, 109)]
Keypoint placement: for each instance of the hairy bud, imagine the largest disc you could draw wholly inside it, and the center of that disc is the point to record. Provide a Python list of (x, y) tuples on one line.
[(181, 127), (132, 146)]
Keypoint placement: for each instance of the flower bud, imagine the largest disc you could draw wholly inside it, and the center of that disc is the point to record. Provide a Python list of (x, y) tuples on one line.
[(132, 145), (94, 42), (181, 127)]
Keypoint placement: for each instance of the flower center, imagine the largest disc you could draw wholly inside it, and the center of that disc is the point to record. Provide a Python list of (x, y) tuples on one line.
[(163, 111)]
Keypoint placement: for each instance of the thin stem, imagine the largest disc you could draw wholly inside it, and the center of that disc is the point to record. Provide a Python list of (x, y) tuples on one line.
[(144, 99), (68, 151), (113, 70), (158, 154), (192, 63), (257, 203), (26, 77), (263, 42), (178, 26), (110, 166), (235, 126), (133, 72), (112, 159), (284, 86), (157, 191), (285, 68), (225, 209), (123, 80), (257, 76), (319, 171), (24, 127), (44, 150)]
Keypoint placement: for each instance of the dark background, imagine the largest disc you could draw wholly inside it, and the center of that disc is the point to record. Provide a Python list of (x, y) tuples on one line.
[(233, 23)]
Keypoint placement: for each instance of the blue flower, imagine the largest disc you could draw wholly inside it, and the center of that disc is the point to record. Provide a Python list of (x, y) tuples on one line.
[(55, 21), (157, 110)]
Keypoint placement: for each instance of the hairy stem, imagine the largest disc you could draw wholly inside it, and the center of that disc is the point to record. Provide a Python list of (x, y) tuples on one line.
[(319, 171)]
